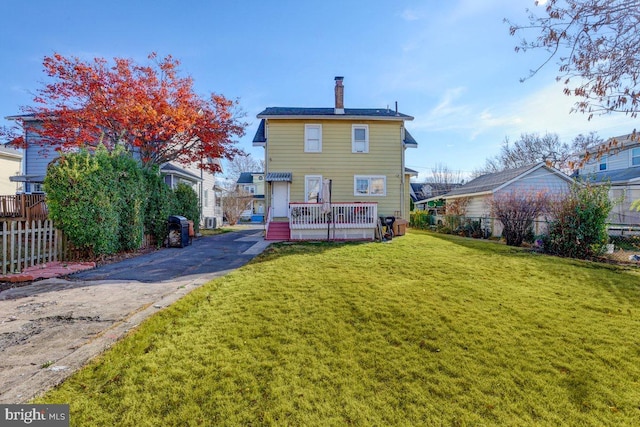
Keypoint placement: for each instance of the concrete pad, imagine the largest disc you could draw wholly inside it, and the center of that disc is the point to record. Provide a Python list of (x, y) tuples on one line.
[(53, 327)]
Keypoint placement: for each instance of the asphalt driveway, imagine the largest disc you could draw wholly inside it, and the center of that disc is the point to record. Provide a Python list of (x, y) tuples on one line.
[(51, 328), (207, 256)]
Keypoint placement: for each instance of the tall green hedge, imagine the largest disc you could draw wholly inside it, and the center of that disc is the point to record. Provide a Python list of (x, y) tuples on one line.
[(186, 204), (106, 201), (83, 202), (160, 201), (129, 182)]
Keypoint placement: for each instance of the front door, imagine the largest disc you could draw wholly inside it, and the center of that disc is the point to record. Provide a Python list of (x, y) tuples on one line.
[(280, 198)]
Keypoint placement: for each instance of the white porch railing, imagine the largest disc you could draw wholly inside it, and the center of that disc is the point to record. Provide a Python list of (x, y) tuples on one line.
[(341, 215)]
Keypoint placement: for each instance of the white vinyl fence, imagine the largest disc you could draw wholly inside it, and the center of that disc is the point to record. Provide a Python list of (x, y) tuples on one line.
[(26, 244)]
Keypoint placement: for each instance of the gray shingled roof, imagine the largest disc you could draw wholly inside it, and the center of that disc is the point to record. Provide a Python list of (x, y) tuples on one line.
[(491, 181), (330, 112), (618, 143), (408, 138), (613, 176), (260, 136)]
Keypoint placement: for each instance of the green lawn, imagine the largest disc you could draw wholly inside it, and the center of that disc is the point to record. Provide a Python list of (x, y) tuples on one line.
[(423, 330)]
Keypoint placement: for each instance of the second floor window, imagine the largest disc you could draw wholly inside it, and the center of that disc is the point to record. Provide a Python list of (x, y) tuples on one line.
[(360, 138), (313, 138), (635, 157), (603, 163)]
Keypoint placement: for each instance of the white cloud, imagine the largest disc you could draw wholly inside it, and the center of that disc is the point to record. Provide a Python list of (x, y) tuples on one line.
[(546, 110), (549, 110), (410, 15), (447, 115)]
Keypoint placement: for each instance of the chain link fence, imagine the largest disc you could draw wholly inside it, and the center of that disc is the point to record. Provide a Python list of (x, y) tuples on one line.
[(623, 245)]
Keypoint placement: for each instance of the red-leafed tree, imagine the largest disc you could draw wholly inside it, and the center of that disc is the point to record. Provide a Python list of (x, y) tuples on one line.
[(149, 109)]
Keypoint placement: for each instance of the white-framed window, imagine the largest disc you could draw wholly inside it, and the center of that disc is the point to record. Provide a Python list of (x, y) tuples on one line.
[(635, 157), (312, 187), (360, 138), (603, 163), (206, 198), (312, 138), (375, 185), (251, 189)]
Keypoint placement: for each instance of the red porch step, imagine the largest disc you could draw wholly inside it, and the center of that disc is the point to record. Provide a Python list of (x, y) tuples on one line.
[(278, 231)]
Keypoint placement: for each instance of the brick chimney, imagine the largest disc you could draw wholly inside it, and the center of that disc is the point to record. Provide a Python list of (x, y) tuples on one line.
[(339, 109)]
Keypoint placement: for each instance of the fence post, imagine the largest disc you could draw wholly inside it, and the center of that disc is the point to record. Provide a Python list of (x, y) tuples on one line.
[(4, 247)]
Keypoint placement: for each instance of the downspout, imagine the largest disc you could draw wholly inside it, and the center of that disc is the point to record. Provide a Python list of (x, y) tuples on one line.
[(201, 193), (402, 173), (268, 186)]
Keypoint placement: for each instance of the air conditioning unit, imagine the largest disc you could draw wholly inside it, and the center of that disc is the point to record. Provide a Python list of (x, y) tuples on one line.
[(210, 222)]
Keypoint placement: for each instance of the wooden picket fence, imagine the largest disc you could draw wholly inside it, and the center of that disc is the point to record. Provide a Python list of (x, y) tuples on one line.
[(26, 244)]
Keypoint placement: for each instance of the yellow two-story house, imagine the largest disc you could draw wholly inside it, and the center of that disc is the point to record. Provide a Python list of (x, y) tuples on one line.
[(331, 173)]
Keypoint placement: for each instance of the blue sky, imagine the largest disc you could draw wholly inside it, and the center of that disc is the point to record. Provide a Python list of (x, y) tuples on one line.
[(450, 64)]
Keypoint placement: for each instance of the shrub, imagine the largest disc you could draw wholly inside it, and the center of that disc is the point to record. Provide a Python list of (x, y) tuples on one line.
[(579, 222), (160, 202), (129, 182), (421, 219), (83, 202), (517, 211), (186, 204), (234, 203)]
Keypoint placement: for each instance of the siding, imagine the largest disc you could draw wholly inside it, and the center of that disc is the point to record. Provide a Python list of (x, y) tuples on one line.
[(36, 157), (540, 179), (9, 166), (478, 207), (208, 182), (615, 161), (285, 153)]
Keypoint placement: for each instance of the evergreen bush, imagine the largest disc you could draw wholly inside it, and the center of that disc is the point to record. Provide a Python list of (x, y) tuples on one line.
[(159, 204), (83, 202), (186, 204), (579, 224), (131, 199)]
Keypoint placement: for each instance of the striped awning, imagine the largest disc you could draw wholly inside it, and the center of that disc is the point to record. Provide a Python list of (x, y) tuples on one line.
[(278, 176)]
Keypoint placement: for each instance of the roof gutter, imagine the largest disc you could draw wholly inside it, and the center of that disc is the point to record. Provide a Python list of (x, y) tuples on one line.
[(333, 117), (456, 196)]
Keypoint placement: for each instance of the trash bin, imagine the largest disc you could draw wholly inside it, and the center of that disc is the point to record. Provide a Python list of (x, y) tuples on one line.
[(178, 228), (400, 227)]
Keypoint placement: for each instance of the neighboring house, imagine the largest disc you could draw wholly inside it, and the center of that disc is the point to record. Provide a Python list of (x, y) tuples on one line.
[(36, 158), (253, 183), (331, 172), (10, 162), (480, 191), (204, 184), (621, 169)]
